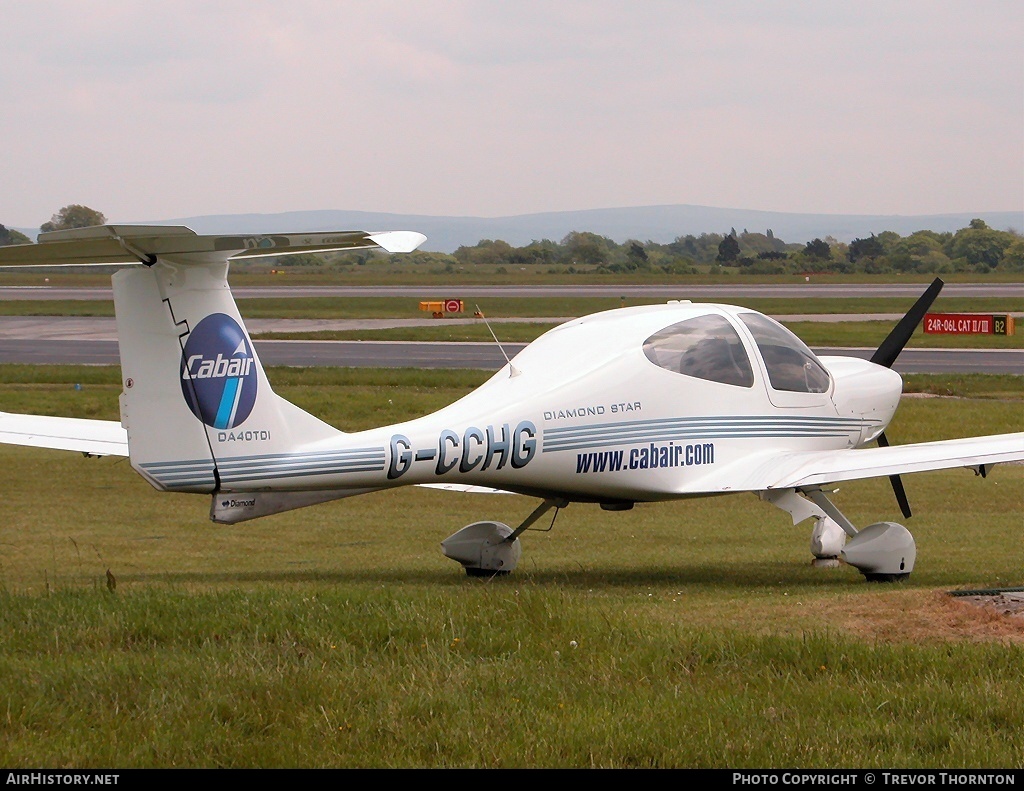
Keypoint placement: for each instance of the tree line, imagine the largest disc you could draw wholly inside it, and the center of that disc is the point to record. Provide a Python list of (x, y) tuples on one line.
[(74, 215), (975, 248)]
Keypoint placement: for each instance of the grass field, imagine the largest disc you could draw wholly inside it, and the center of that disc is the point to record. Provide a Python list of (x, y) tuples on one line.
[(688, 634)]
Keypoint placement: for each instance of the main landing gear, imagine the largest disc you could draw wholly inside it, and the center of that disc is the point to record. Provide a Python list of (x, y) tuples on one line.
[(488, 549), (882, 552)]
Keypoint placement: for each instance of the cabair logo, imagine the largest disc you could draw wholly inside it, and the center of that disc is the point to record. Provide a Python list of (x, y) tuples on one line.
[(218, 374)]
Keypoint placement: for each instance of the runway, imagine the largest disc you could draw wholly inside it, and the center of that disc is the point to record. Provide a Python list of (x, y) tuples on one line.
[(483, 356), (62, 340)]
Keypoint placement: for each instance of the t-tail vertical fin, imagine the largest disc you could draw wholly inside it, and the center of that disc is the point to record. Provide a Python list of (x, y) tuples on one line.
[(199, 413), (195, 394)]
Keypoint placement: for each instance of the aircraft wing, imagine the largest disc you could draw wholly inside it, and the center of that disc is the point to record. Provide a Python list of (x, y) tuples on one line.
[(95, 437), (460, 487), (814, 468)]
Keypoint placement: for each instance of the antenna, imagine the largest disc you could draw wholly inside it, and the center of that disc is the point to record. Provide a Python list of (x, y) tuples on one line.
[(513, 371)]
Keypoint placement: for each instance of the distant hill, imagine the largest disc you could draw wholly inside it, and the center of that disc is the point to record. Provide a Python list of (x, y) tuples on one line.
[(647, 223)]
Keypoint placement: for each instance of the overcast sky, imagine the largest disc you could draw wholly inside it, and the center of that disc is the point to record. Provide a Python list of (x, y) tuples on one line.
[(151, 111)]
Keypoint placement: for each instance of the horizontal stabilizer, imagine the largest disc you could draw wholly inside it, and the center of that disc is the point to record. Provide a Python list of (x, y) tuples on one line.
[(135, 244), (95, 437)]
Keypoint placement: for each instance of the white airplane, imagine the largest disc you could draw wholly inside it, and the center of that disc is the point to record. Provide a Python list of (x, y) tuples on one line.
[(630, 405)]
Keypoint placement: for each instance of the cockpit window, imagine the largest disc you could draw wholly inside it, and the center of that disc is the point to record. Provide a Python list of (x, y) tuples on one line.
[(791, 365), (707, 347)]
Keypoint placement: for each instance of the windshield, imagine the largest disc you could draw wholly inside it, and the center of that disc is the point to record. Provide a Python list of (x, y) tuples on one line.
[(791, 365)]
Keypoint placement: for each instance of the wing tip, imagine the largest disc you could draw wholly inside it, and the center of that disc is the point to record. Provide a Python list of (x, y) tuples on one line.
[(398, 241)]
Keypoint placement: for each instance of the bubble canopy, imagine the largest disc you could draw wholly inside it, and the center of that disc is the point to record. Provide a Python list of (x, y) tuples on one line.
[(709, 347)]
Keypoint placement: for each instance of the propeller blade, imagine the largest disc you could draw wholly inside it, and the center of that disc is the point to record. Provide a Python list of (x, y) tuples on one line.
[(886, 355), (897, 483), (891, 347)]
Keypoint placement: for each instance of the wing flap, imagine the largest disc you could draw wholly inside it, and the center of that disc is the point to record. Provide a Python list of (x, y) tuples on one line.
[(95, 437)]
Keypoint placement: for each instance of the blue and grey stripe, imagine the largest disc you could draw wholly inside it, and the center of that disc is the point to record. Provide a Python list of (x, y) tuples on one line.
[(241, 469), (181, 475), (199, 473), (669, 429)]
